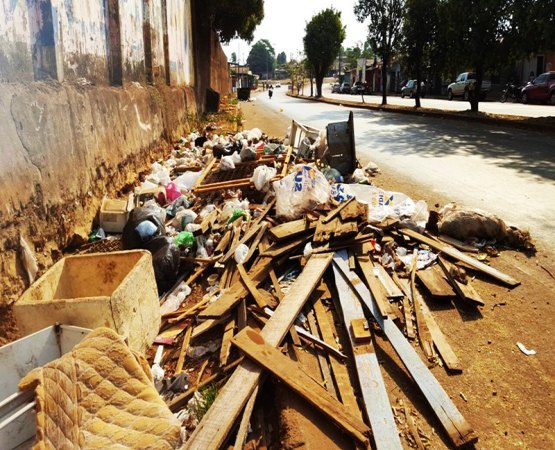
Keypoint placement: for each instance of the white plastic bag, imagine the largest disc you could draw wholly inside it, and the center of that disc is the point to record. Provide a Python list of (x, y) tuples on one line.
[(187, 180), (262, 176), (302, 190), (241, 253), (253, 134)]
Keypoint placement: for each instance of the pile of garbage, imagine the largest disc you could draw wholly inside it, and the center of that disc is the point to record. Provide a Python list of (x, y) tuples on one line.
[(256, 245)]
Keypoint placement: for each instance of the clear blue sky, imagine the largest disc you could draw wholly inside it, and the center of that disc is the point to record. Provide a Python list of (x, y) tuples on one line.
[(284, 26)]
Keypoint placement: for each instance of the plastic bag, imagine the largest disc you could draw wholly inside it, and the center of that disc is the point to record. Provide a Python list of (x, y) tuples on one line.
[(254, 134), (241, 253), (175, 299), (303, 190), (172, 192), (248, 154), (226, 163), (262, 176), (185, 238), (165, 261), (136, 233), (382, 204), (29, 260), (187, 180)]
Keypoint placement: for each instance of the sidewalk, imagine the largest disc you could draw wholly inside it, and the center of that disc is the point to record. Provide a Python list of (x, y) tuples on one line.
[(542, 124)]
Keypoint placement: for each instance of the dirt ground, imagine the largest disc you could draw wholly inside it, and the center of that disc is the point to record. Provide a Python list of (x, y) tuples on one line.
[(506, 396)]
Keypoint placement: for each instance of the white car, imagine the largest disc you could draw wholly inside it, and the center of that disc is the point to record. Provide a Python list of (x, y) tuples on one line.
[(278, 85)]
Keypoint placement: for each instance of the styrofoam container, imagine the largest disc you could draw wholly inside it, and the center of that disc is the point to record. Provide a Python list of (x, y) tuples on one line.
[(114, 214)]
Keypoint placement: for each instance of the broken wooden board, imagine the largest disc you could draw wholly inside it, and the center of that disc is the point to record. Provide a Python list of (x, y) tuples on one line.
[(216, 424), (259, 296), (340, 372), (391, 289), (376, 287), (322, 359), (361, 330), (458, 429), (457, 244), (237, 292), (434, 281), (271, 359), (291, 229), (372, 386), (444, 349), (355, 210), (333, 214), (456, 254), (226, 342), (324, 231), (465, 291), (279, 249)]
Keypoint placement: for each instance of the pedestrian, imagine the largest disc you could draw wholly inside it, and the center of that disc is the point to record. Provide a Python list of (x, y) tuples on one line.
[(270, 92)]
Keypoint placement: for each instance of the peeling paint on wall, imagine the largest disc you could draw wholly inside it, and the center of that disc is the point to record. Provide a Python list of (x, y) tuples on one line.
[(180, 42), (15, 41), (132, 43)]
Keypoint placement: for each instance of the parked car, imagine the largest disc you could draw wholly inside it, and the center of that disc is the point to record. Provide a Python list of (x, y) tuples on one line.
[(461, 86), (278, 85), (541, 89), (345, 88), (335, 88), (410, 89), (360, 88)]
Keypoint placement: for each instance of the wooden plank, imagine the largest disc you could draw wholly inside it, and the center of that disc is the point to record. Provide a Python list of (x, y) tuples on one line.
[(290, 229), (465, 291), (375, 286), (254, 244), (340, 371), (322, 360), (226, 342), (245, 420), (258, 296), (456, 254), (183, 351), (224, 242), (361, 330), (447, 354), (391, 289), (409, 324), (237, 292), (333, 214), (313, 339), (457, 244), (354, 211), (236, 242), (280, 249), (242, 315), (434, 281), (204, 173), (214, 427), (456, 426), (372, 386), (256, 348), (207, 325)]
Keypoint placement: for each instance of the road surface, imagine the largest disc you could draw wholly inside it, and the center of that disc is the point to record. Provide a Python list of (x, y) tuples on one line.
[(505, 171)]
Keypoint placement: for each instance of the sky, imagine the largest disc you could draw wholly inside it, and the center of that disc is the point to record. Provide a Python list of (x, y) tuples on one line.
[(284, 26)]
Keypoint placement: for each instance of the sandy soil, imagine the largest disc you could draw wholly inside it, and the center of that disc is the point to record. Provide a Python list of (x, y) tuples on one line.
[(506, 396)]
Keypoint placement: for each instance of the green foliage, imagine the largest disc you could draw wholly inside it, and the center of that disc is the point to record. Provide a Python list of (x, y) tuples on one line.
[(261, 57), (322, 42), (208, 394), (281, 58), (233, 19), (384, 31), (351, 55)]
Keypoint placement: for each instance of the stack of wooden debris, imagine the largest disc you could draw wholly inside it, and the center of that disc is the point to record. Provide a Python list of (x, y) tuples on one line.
[(303, 284)]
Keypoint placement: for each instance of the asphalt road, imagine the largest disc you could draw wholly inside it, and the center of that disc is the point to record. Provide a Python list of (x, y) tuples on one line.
[(492, 107), (508, 172)]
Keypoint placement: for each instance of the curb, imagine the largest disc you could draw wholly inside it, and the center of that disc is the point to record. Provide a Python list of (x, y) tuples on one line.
[(521, 122)]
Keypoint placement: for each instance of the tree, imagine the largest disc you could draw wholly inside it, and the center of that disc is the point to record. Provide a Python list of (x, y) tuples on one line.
[(281, 58), (476, 33), (351, 55), (261, 58), (234, 57), (232, 19), (419, 29), (322, 42), (384, 30)]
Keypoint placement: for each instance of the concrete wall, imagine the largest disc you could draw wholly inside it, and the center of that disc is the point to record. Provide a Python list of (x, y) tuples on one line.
[(63, 147), (15, 42), (132, 40), (180, 42)]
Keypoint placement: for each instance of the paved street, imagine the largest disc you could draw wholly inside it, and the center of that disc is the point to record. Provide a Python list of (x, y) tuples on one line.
[(505, 171), (490, 106)]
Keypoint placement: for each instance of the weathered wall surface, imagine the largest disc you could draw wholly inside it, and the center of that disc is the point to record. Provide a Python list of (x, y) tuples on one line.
[(63, 147), (76, 116)]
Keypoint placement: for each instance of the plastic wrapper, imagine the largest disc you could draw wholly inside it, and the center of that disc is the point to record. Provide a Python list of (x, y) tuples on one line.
[(302, 190), (175, 299), (185, 239), (241, 253), (29, 260), (187, 180)]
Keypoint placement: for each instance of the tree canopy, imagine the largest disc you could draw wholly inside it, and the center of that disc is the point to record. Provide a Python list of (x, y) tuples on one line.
[(384, 30), (281, 58), (261, 58), (232, 19), (351, 55), (322, 42)]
